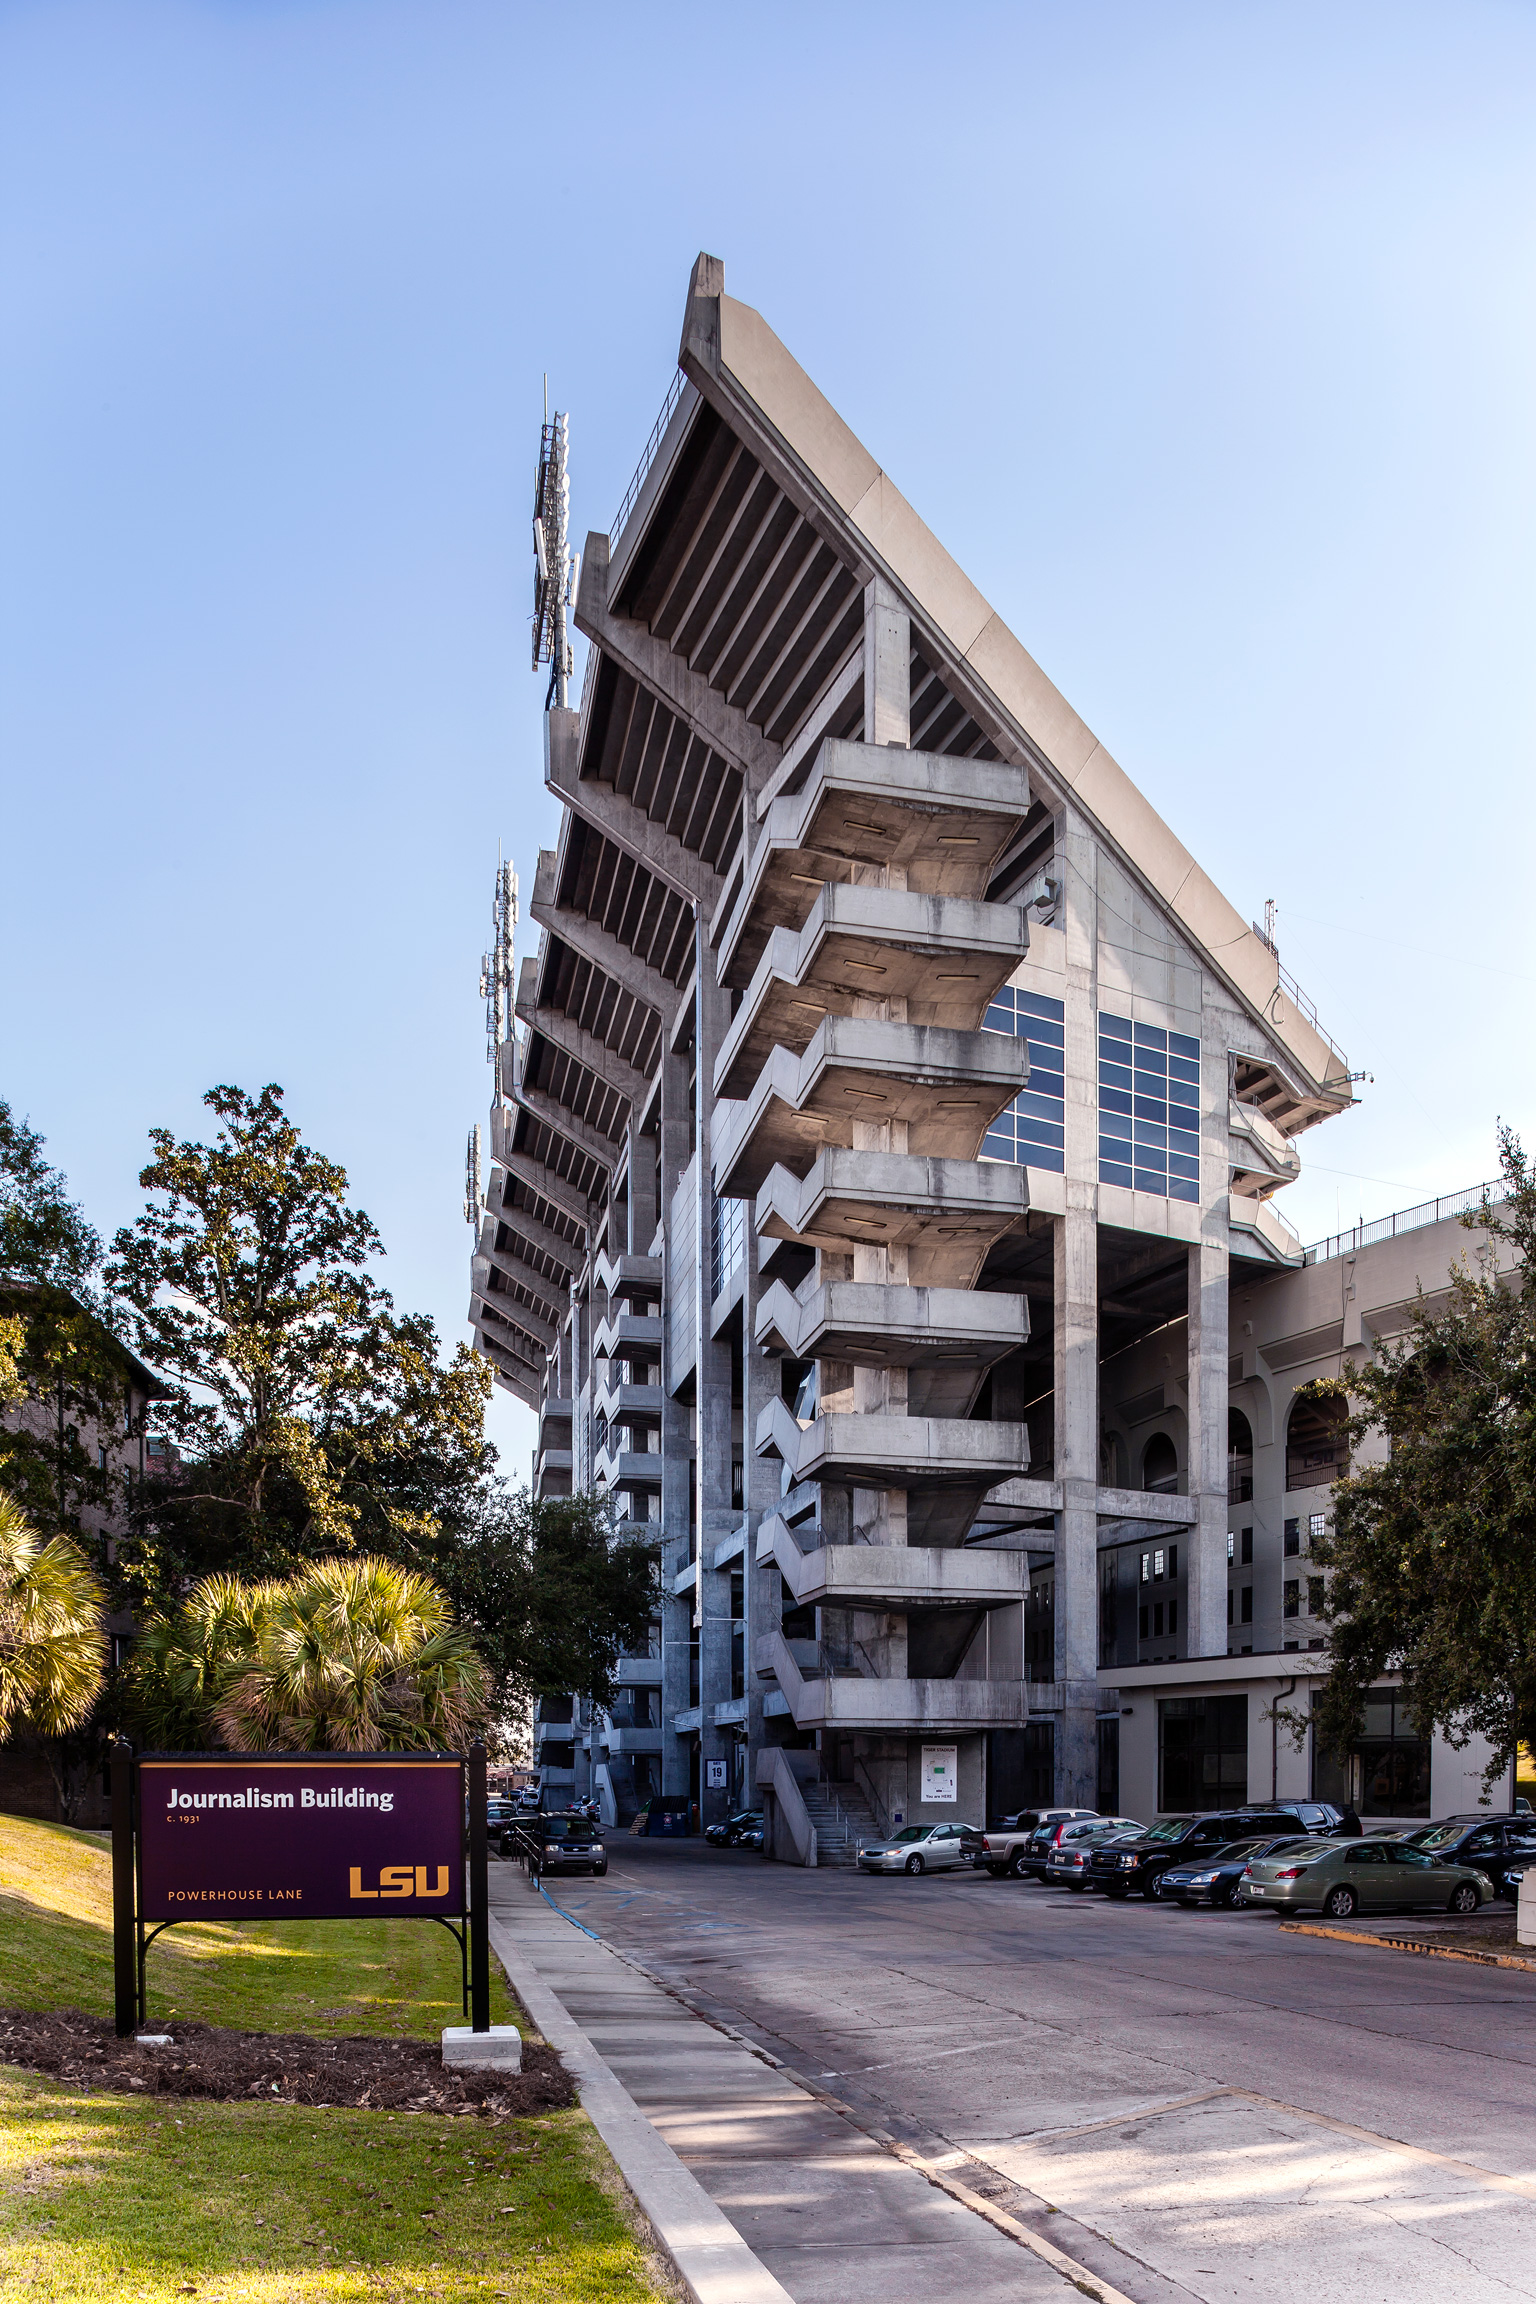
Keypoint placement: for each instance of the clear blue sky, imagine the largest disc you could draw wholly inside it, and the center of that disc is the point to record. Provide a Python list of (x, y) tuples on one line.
[(1203, 336)]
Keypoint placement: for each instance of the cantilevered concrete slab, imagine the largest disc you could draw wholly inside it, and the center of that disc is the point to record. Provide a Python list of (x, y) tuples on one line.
[(947, 1214), (937, 824), (885, 1451), (876, 1324), (945, 1087), (894, 1576), (852, 1701), (943, 956)]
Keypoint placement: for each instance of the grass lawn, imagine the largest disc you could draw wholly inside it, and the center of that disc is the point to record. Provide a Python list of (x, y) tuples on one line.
[(105, 2198)]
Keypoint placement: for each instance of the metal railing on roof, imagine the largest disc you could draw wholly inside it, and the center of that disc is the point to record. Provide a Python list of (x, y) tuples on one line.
[(647, 455), (1298, 998), (1406, 1220)]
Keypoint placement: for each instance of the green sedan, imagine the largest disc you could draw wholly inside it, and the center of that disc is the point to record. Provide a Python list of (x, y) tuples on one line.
[(1342, 1877)]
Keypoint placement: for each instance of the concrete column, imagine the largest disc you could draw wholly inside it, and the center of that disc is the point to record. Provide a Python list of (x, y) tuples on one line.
[(676, 1443), (642, 1191), (887, 666), (760, 1383), (1076, 1341), (1208, 1349), (716, 1518)]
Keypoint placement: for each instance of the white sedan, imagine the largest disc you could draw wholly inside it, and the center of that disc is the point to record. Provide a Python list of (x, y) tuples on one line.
[(920, 1848)]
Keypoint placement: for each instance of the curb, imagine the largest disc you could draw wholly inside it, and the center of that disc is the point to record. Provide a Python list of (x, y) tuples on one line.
[(709, 2255), (1408, 1944)]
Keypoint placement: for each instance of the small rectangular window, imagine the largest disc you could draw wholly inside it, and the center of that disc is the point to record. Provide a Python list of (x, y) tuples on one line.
[(1173, 1559), (1293, 1598), (1157, 1567), (1229, 1603), (1231, 1545), (1317, 1524), (1173, 1618), (1246, 1555), (1144, 1633), (1314, 1595), (1146, 1567), (1157, 1620), (1292, 1538), (1245, 1611)]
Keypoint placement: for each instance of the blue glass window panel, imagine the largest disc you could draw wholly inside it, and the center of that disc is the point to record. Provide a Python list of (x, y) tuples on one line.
[(1178, 1190), (1151, 1036), (1113, 1075), (1146, 1181), (1181, 1068), (999, 1019), (999, 1145), (1041, 1132), (1118, 1027), (1110, 1172), (1111, 1124), (1044, 1058), (1180, 1044), (1036, 1004), (1156, 1138), (1180, 1092), (1041, 1157), (1042, 1107), (1150, 1108), (1149, 1084), (1178, 1165), (1114, 1100), (1182, 1137)]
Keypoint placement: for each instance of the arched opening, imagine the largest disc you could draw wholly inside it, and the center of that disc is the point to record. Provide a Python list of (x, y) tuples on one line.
[(1160, 1466), (1316, 1450), (1239, 1458)]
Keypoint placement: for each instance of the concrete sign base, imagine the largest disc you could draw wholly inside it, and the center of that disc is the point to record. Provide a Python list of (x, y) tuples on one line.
[(499, 2050)]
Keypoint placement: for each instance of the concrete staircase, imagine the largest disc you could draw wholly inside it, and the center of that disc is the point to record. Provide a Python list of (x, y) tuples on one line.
[(842, 1818)]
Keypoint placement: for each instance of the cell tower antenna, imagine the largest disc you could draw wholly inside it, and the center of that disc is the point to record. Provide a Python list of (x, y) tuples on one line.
[(555, 566), (472, 1179), (496, 965)]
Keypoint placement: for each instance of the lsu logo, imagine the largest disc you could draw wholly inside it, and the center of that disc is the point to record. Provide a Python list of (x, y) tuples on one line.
[(400, 1880)]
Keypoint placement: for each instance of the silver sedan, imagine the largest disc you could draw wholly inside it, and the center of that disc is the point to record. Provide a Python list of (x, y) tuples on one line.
[(918, 1848)]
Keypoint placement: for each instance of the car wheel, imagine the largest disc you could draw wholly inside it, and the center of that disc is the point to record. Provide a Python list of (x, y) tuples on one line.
[(1150, 1891), (1015, 1867), (598, 1870), (1465, 1898), (998, 1871), (914, 1865), (1223, 1901), (1339, 1903)]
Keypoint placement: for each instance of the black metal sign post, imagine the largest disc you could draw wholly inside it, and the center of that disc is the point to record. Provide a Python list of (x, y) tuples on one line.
[(125, 1902), (479, 1897)]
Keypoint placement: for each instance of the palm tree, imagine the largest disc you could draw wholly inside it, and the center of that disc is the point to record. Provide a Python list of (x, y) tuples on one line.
[(52, 1642), (355, 1655), (183, 1665)]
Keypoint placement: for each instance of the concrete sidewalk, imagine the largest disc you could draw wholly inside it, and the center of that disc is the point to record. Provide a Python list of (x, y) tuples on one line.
[(830, 2213)]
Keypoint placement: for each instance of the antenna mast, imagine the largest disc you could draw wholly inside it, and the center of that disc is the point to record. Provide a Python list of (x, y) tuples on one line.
[(472, 1179), (496, 966), (555, 565)]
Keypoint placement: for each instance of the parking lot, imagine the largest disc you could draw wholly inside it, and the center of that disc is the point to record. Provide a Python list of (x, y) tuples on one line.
[(1243, 2111)]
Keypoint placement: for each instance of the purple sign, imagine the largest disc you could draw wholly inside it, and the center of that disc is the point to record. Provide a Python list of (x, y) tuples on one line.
[(334, 1837)]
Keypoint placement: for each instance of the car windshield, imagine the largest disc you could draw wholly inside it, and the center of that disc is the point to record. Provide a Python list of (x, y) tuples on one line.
[(1172, 1828), (566, 1828), (1442, 1836)]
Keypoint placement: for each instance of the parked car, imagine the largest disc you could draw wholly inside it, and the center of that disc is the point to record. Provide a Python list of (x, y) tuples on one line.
[(1047, 1838), (1213, 1878), (1125, 1870), (1342, 1877), (917, 1848), (1492, 1845), (1005, 1846), (1067, 1864), (568, 1844), (736, 1829)]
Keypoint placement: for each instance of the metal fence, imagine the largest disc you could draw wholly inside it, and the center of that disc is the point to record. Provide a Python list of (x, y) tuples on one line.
[(647, 455), (1406, 1220)]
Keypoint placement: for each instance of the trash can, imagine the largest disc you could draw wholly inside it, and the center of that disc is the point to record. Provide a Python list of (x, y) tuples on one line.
[(669, 1818)]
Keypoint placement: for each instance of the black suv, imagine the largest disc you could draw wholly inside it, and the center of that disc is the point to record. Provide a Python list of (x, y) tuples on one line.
[(1493, 1845), (1124, 1867)]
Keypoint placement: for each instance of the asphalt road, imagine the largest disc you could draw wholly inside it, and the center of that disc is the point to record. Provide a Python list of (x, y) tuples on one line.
[(1244, 2113)]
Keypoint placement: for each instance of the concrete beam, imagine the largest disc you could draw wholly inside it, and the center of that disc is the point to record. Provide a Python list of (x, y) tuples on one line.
[(681, 689), (593, 943), (538, 1329), (626, 825), (540, 1236), (555, 1189), (574, 1040), (549, 1293), (565, 1123)]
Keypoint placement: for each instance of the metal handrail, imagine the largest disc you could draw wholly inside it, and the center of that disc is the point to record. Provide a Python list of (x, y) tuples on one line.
[(1406, 1220), (1298, 998), (647, 455)]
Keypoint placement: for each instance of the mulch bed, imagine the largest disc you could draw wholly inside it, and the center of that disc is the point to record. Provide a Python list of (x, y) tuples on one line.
[(277, 2068)]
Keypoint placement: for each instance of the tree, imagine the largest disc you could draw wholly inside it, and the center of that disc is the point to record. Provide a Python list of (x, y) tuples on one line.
[(349, 1655), (554, 1600), (1431, 1562), (310, 1416), (52, 1642), (60, 1365)]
